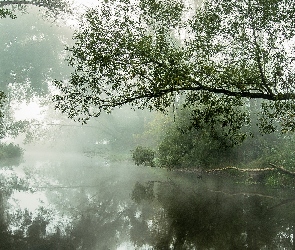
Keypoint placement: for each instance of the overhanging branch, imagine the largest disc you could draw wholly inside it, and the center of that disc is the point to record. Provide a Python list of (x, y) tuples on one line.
[(163, 92)]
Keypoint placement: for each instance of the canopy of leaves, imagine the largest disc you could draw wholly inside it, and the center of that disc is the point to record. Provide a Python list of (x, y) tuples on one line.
[(52, 8), (149, 54), (32, 48), (6, 13), (31, 52), (10, 154)]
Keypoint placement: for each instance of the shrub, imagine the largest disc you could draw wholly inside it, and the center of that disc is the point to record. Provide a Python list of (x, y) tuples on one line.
[(10, 154), (143, 156)]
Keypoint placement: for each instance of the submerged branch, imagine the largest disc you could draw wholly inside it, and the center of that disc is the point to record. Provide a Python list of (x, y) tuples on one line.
[(282, 170), (65, 187), (240, 169), (273, 168), (284, 202), (244, 194)]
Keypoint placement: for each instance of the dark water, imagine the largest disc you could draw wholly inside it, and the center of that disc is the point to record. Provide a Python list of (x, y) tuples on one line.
[(77, 202)]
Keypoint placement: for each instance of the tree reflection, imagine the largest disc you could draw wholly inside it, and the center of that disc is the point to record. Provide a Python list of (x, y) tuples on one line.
[(162, 214), (200, 218), (21, 230)]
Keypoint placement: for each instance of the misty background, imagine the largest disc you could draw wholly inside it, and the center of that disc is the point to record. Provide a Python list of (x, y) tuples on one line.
[(64, 185)]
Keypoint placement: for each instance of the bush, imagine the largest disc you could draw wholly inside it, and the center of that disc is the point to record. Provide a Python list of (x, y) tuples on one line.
[(10, 154), (143, 156)]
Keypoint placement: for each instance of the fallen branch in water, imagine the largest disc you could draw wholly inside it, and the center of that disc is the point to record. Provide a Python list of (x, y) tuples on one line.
[(240, 169), (273, 168), (245, 194), (284, 202), (282, 170)]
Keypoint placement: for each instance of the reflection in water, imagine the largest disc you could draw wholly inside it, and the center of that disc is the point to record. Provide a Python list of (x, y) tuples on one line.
[(197, 217), (126, 207)]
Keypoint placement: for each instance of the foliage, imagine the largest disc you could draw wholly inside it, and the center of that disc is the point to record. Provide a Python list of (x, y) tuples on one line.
[(153, 130), (232, 52), (6, 13), (143, 156), (10, 154), (8, 125), (185, 146), (2, 101), (10, 151), (178, 144), (26, 67), (52, 8)]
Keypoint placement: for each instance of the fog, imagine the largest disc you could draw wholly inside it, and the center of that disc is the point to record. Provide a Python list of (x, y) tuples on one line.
[(75, 186)]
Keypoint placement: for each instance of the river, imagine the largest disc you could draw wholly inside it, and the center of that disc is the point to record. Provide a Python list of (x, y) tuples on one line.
[(73, 201)]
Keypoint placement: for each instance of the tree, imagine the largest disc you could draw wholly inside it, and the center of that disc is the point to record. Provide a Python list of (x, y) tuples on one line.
[(232, 52), (3, 13), (32, 48), (10, 154), (143, 156), (30, 55), (54, 7), (24, 57)]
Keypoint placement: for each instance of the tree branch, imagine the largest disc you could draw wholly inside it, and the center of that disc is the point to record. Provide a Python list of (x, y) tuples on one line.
[(163, 92), (261, 71), (282, 170), (240, 169), (274, 168), (65, 187)]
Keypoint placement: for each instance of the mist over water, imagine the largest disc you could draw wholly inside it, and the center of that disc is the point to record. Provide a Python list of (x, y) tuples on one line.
[(73, 186), (76, 187), (98, 202)]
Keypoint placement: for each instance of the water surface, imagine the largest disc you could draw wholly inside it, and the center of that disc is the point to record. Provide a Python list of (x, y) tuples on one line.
[(73, 201)]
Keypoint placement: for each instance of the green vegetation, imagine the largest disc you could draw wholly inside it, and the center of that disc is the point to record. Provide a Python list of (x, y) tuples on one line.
[(178, 145), (143, 156), (51, 8), (231, 52), (221, 75), (231, 73), (10, 154), (26, 67), (6, 13)]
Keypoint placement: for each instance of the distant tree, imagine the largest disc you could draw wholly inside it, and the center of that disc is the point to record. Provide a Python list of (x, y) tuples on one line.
[(25, 69), (3, 13), (53, 6), (10, 154), (143, 156), (232, 52)]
